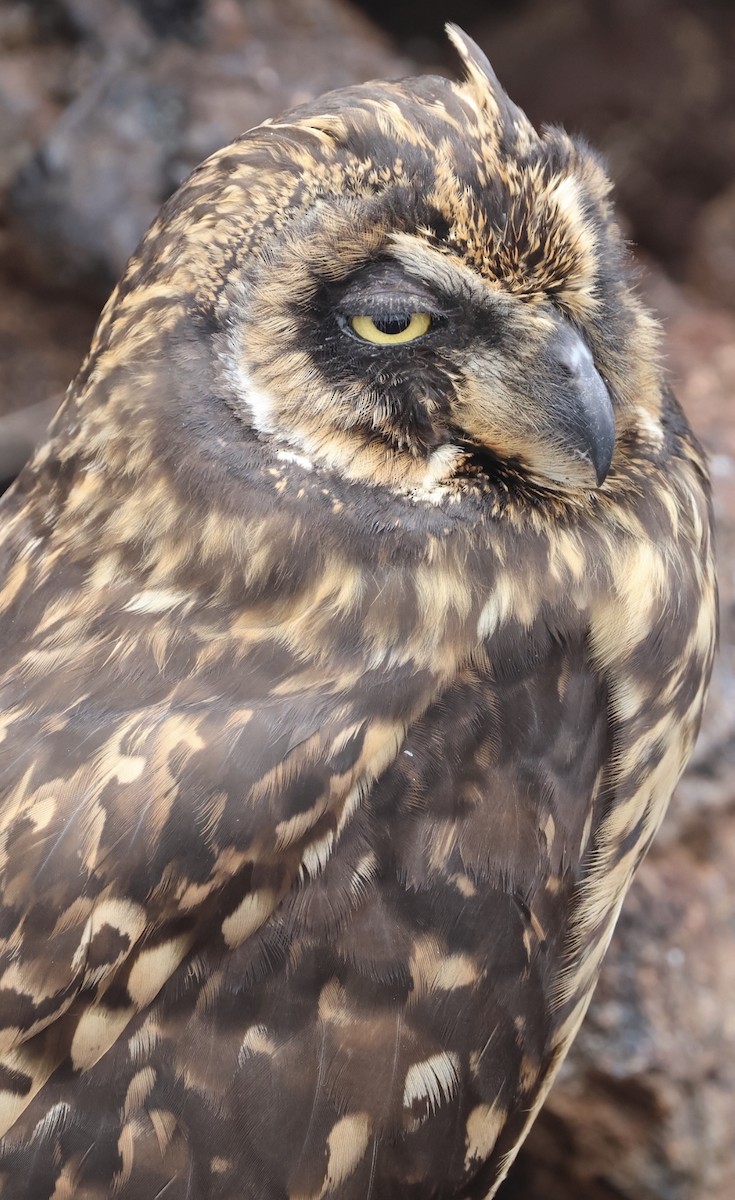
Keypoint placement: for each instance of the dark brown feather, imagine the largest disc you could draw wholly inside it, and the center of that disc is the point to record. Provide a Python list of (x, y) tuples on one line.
[(339, 697)]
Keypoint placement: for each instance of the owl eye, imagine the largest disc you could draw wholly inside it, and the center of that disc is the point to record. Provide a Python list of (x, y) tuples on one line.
[(391, 330)]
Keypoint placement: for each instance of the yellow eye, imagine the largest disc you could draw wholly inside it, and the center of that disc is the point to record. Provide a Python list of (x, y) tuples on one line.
[(391, 331)]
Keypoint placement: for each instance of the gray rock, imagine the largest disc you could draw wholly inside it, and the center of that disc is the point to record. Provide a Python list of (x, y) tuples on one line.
[(148, 108)]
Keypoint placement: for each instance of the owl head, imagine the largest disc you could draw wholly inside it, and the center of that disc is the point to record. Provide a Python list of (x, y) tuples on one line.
[(405, 284)]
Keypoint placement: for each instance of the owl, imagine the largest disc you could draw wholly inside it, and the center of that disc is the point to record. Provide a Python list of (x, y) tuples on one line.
[(356, 621)]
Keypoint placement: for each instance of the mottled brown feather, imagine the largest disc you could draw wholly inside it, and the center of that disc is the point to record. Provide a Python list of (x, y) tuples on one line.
[(338, 702)]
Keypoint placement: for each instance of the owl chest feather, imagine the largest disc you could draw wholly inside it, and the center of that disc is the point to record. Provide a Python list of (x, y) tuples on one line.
[(376, 884)]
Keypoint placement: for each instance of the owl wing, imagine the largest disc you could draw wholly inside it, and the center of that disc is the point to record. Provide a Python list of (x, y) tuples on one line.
[(408, 993), (394, 1019), (149, 775)]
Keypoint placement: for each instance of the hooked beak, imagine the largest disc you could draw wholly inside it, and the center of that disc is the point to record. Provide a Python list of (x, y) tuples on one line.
[(582, 409)]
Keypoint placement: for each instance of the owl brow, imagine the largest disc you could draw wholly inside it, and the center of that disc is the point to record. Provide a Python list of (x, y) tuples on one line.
[(384, 288), (441, 273)]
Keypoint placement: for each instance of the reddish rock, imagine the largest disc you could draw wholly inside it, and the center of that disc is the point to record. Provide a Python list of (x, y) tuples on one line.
[(712, 253)]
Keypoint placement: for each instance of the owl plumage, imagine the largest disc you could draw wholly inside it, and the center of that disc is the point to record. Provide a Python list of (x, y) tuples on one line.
[(356, 622)]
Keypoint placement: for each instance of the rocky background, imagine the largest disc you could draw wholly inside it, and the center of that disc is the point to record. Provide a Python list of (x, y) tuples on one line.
[(105, 105)]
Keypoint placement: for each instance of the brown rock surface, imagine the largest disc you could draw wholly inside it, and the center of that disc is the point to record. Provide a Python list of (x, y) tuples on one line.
[(42, 342), (644, 1107), (711, 265)]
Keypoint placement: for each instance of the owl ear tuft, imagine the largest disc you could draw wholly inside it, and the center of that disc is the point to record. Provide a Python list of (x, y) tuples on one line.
[(485, 83)]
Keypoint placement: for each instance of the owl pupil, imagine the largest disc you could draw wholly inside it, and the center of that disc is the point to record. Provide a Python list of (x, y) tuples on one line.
[(391, 325)]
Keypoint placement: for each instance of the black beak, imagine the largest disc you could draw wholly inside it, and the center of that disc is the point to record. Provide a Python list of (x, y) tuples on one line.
[(584, 417)]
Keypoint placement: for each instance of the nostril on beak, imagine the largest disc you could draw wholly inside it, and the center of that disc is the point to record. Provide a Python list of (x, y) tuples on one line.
[(574, 358)]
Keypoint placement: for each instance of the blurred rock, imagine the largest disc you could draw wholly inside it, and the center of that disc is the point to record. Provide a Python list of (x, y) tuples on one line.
[(644, 1107), (43, 340), (21, 432), (702, 353), (79, 207), (148, 108), (712, 253), (42, 343), (32, 85)]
